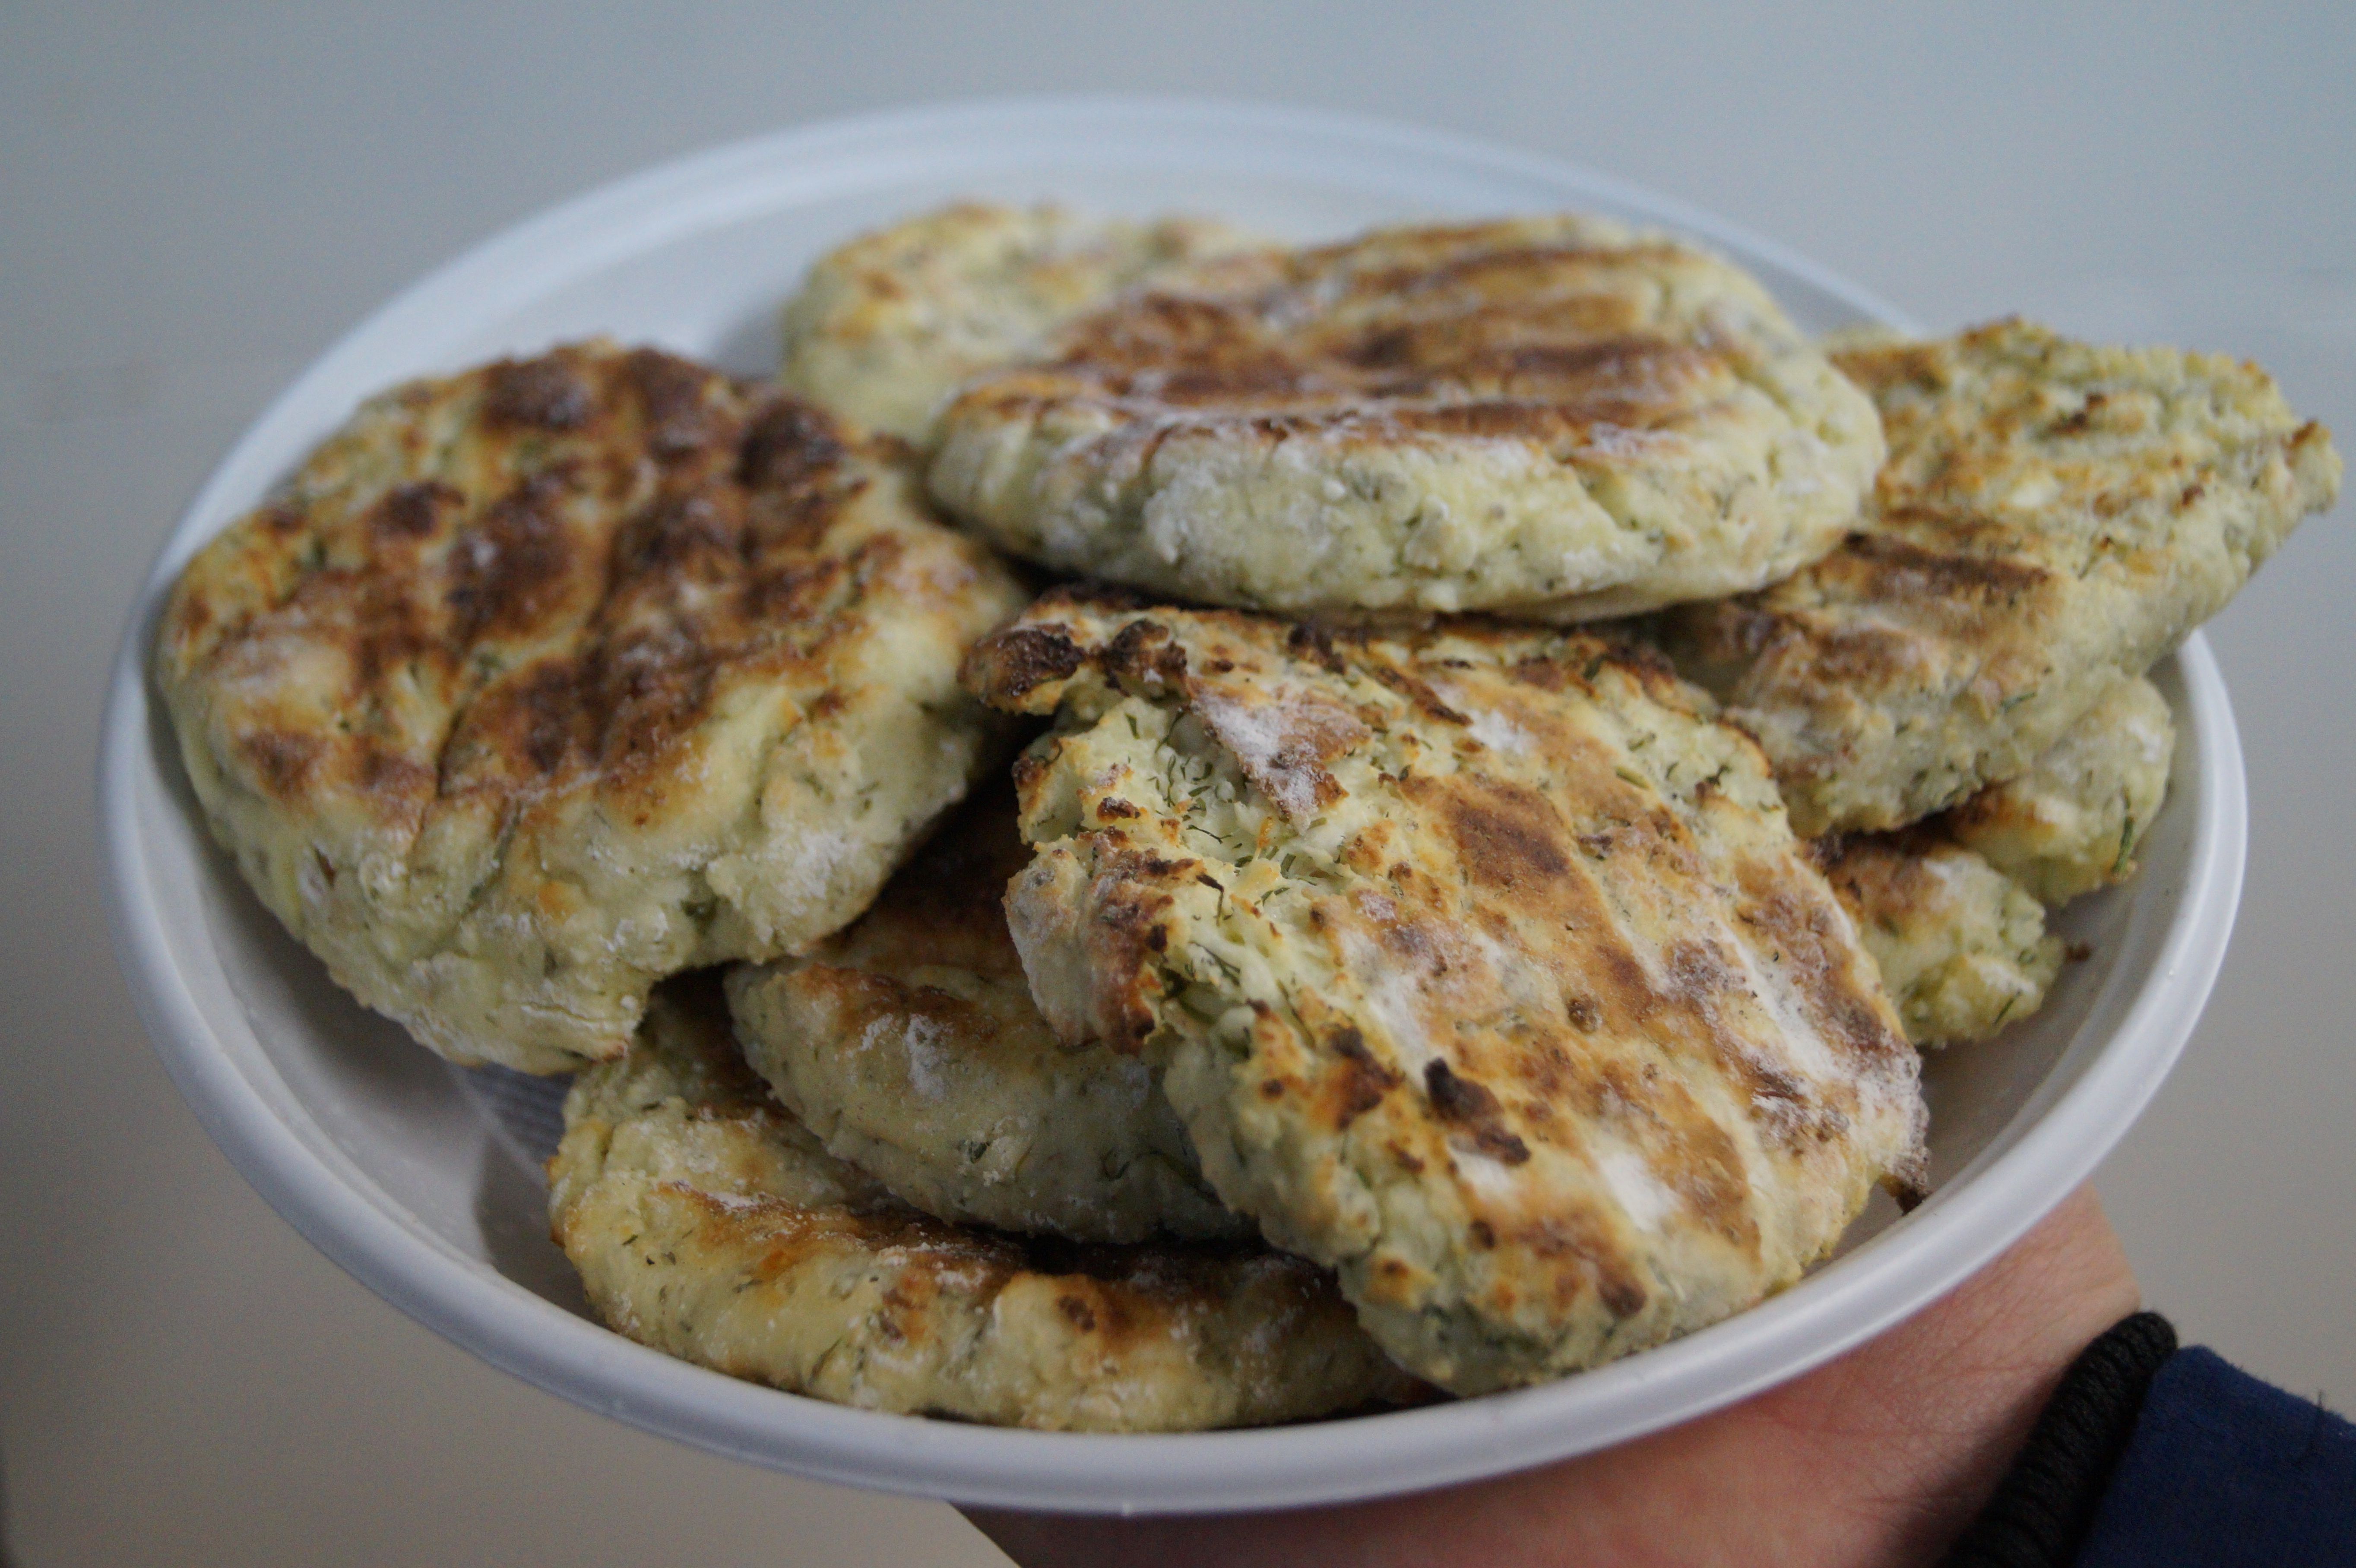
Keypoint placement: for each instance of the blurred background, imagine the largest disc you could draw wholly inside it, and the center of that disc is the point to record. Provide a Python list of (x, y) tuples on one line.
[(196, 200)]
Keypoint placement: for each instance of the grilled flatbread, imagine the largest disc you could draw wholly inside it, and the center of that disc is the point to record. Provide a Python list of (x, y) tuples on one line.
[(2073, 821), (888, 326), (707, 1224), (538, 683), (909, 1044), (1558, 418), (1479, 962), (1962, 947), (2053, 518), (1950, 908)]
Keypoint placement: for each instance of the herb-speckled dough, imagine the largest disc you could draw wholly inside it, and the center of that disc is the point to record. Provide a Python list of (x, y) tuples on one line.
[(539, 682), (2053, 517), (888, 325), (1480, 963), (707, 1224), (1558, 418), (909, 1043), (1962, 947), (2072, 822)]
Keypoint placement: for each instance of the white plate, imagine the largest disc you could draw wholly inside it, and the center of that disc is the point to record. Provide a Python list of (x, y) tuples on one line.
[(422, 1179)]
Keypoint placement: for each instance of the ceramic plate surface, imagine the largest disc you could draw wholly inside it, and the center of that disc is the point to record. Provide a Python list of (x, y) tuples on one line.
[(423, 1179)]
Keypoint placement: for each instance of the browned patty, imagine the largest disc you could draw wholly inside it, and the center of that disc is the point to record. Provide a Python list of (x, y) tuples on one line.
[(1555, 416), (909, 1043), (2053, 517), (541, 681), (1480, 963), (1962, 947), (707, 1222)]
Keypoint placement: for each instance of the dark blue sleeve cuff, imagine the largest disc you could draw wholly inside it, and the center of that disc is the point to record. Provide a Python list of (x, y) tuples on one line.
[(2045, 1504), (2224, 1470)]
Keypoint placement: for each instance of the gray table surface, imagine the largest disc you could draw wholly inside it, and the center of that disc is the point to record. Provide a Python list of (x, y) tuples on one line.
[(195, 200)]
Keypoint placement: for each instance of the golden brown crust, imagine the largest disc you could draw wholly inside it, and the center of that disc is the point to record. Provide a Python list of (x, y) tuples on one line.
[(888, 325), (1962, 948), (2073, 821), (706, 1223), (493, 697), (1549, 416), (1481, 962), (909, 1043), (945, 908), (2052, 517)]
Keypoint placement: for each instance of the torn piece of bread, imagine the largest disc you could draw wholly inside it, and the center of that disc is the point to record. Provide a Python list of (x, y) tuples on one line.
[(2072, 822), (1962, 947)]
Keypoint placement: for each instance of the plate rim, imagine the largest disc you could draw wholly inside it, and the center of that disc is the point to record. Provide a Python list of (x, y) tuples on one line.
[(514, 1328)]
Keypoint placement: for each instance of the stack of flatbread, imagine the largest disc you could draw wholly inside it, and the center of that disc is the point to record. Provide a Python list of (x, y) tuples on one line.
[(1168, 831)]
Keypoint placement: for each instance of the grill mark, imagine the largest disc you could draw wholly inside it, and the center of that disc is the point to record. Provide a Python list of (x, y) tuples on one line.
[(1804, 930), (1679, 1012), (1584, 1236), (1362, 1081), (1902, 568), (679, 418), (1487, 259), (676, 530), (791, 445), (650, 643), (280, 760), (388, 634), (1248, 377), (648, 691), (794, 593), (1535, 344), (414, 511), (1313, 641), (545, 710), (400, 784), (798, 518), (546, 393), (511, 566), (1417, 692), (1473, 1107), (1508, 838), (1155, 327)]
